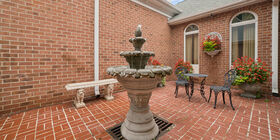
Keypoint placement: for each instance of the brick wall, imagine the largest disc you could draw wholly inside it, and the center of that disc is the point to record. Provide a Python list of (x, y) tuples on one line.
[(44, 45), (119, 19), (48, 43), (216, 67)]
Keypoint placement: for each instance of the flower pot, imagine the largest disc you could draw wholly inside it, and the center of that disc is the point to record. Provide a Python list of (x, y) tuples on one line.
[(213, 53), (250, 90)]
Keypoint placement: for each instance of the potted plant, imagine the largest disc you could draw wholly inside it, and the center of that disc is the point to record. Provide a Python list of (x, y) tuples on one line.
[(181, 63), (211, 45), (154, 62), (250, 75)]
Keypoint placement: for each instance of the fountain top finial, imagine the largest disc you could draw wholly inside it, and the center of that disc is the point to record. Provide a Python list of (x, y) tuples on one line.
[(138, 41), (138, 32)]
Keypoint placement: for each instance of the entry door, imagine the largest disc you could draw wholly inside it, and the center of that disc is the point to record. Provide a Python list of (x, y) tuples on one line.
[(192, 50)]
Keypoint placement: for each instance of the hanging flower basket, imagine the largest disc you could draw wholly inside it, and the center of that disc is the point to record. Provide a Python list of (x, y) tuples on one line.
[(212, 53), (211, 45)]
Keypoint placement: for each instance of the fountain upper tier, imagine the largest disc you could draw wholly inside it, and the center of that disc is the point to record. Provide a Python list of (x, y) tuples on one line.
[(137, 61)]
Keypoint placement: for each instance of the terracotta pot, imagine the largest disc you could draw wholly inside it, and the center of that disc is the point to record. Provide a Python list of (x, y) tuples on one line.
[(212, 53), (250, 90)]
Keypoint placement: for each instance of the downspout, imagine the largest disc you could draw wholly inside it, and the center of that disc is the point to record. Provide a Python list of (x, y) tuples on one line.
[(275, 16), (96, 45)]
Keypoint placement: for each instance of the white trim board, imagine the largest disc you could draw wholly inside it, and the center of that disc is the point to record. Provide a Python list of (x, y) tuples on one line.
[(275, 17), (96, 45)]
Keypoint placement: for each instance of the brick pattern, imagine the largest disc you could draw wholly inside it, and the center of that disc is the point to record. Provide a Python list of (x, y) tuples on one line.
[(195, 119), (47, 44), (216, 67), (44, 45), (119, 19)]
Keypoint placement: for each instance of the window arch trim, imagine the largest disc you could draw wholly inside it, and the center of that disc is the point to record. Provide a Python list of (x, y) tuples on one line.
[(244, 22), (254, 21), (191, 32)]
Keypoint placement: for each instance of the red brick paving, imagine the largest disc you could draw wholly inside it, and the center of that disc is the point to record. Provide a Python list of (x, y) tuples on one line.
[(252, 119)]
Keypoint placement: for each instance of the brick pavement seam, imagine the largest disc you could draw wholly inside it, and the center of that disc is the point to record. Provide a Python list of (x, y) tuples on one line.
[(19, 125), (85, 124), (249, 126), (68, 123), (268, 122), (4, 123), (233, 118)]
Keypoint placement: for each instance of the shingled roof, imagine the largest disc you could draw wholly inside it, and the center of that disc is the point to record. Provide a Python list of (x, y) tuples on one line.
[(193, 8)]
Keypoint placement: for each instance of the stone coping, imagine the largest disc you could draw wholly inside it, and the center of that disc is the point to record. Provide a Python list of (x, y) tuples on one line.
[(137, 53), (149, 71)]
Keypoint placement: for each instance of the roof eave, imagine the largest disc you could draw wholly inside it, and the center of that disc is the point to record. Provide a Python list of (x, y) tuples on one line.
[(215, 11), (160, 6)]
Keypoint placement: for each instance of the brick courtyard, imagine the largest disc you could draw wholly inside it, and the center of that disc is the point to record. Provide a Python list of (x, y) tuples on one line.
[(252, 119)]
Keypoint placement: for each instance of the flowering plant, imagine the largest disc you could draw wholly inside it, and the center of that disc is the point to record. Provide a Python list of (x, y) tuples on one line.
[(180, 73), (211, 44), (250, 71), (152, 61), (181, 63)]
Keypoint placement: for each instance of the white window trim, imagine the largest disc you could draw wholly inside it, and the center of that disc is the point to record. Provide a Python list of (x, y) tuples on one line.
[(190, 33), (240, 24)]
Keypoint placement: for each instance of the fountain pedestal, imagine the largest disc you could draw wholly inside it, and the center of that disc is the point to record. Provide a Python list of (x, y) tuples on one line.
[(139, 80), (139, 123)]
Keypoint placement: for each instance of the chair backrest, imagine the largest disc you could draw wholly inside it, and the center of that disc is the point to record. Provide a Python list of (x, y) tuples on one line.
[(229, 78), (180, 71)]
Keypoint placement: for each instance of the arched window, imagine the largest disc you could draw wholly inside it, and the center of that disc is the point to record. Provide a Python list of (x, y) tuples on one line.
[(243, 29), (191, 47)]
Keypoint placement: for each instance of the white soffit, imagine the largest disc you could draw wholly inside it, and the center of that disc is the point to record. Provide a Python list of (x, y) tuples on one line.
[(160, 6)]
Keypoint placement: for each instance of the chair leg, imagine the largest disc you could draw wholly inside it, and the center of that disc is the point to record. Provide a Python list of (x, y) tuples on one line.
[(229, 94), (176, 91), (210, 95), (187, 90), (216, 95), (224, 97)]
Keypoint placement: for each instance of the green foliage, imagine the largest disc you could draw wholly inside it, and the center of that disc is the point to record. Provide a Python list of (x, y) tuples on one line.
[(163, 81), (209, 46), (240, 80)]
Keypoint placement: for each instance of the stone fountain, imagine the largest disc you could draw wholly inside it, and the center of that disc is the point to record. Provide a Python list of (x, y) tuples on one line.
[(139, 80)]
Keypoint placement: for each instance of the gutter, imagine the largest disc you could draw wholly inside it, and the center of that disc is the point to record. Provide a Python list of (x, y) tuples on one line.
[(96, 45), (275, 22), (215, 11)]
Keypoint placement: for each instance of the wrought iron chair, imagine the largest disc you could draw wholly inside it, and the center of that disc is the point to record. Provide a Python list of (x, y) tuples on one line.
[(229, 79), (181, 80)]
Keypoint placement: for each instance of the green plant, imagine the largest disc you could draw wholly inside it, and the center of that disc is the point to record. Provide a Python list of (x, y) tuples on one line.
[(163, 81), (250, 71), (211, 44)]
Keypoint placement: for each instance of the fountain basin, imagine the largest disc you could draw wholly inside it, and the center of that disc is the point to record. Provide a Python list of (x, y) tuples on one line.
[(137, 59)]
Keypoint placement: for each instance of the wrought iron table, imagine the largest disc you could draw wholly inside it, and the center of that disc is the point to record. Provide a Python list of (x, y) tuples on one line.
[(192, 75)]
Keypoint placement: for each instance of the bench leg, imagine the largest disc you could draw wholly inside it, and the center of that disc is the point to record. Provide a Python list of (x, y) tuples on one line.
[(109, 93), (79, 100)]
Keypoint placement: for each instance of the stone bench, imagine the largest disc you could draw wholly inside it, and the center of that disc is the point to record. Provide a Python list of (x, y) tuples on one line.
[(79, 100)]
